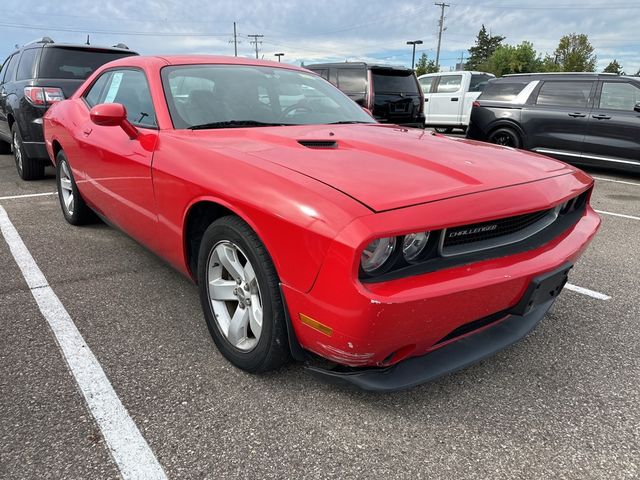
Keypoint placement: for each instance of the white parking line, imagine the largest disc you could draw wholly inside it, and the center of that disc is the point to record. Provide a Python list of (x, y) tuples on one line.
[(127, 445), (617, 181), (586, 291), (12, 197), (618, 215)]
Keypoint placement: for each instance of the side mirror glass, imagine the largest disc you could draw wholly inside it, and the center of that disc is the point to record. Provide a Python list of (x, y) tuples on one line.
[(113, 115)]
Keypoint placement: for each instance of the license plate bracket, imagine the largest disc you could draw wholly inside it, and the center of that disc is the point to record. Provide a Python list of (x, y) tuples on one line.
[(543, 289)]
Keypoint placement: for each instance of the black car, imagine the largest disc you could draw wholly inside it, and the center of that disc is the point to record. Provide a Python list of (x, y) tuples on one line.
[(31, 79), (586, 119), (391, 94)]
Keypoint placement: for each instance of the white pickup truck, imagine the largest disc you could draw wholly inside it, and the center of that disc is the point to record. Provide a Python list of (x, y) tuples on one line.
[(449, 96)]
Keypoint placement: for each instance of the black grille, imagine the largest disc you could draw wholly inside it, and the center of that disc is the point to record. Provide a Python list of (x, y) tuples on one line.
[(479, 232), (322, 144)]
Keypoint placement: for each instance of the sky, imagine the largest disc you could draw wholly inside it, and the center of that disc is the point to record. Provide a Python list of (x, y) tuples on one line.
[(325, 30)]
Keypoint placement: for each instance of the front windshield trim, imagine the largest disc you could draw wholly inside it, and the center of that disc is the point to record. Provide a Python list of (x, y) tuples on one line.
[(335, 106)]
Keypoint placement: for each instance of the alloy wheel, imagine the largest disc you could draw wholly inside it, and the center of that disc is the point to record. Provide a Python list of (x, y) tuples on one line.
[(17, 151), (234, 295), (66, 188)]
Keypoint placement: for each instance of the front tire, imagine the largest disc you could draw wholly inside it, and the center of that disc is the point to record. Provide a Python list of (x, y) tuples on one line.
[(506, 137), (28, 168), (73, 206), (240, 297)]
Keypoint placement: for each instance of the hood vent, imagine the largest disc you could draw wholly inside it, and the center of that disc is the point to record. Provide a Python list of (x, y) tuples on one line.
[(319, 144)]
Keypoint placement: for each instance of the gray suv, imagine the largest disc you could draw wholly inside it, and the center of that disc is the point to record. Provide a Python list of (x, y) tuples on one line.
[(582, 118)]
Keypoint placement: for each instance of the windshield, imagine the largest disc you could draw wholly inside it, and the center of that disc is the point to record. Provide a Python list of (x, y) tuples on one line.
[(227, 96)]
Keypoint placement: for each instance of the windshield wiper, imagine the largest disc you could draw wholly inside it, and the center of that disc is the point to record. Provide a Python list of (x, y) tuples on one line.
[(234, 124), (346, 122)]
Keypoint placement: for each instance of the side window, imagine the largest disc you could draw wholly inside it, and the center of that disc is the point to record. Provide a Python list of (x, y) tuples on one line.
[(130, 88), (11, 68), (425, 84), (478, 82), (5, 64), (26, 69), (565, 94), (96, 93), (352, 80), (619, 96), (324, 73), (449, 84)]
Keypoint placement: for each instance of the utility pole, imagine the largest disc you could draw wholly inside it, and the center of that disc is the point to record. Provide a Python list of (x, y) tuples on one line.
[(278, 55), (235, 40), (413, 58), (255, 42), (441, 24), (462, 61)]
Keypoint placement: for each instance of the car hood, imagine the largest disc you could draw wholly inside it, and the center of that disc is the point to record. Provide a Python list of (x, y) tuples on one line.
[(387, 167)]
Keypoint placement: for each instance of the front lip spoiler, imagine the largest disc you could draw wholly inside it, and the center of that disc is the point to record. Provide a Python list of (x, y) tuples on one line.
[(448, 359)]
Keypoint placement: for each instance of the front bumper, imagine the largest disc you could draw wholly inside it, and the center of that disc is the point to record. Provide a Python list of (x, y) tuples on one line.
[(382, 324), (450, 358)]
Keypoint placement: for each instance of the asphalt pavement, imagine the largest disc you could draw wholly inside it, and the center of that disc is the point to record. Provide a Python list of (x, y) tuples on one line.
[(563, 403)]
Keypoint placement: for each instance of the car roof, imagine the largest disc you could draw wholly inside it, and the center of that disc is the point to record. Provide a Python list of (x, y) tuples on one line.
[(357, 64), (472, 72), (565, 76), (167, 60)]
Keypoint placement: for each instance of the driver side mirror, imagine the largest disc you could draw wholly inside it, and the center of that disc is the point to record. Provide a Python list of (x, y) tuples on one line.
[(113, 115), (637, 107)]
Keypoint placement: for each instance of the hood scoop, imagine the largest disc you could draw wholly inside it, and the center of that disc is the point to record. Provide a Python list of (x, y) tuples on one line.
[(319, 144)]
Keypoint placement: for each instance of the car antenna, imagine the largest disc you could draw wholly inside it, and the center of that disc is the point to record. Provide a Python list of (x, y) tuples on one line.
[(88, 40)]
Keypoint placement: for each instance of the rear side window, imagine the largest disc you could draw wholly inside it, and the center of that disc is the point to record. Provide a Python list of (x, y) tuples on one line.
[(352, 80), (27, 66), (565, 94), (425, 84), (395, 81), (449, 84), (3, 70), (323, 72), (619, 96), (479, 82), (11, 68), (502, 91), (74, 63)]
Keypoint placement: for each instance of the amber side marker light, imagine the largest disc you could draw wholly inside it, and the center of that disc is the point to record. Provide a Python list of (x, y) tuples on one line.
[(328, 331)]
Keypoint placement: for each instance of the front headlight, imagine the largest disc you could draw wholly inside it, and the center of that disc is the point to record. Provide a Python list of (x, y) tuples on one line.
[(376, 254), (414, 244)]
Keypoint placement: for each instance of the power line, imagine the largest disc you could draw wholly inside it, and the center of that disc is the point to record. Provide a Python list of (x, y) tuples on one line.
[(113, 32), (441, 25)]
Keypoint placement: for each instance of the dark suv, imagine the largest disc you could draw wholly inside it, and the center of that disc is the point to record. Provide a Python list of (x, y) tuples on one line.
[(583, 118), (31, 79), (391, 94)]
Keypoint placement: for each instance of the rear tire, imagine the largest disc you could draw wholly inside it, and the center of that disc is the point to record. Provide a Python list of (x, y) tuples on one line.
[(73, 206), (506, 137), (28, 168), (234, 267)]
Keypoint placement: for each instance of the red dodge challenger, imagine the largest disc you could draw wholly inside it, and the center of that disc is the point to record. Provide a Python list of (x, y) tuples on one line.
[(382, 257)]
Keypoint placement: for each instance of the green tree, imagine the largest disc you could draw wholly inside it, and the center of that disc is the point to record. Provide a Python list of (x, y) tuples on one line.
[(484, 47), (513, 59), (575, 53), (424, 65), (614, 67)]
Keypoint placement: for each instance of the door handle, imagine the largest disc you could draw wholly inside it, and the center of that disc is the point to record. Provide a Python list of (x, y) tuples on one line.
[(426, 100), (601, 117), (454, 99), (578, 115), (87, 131)]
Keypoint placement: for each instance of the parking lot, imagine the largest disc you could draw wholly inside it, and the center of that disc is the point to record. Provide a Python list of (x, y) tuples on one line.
[(563, 403)]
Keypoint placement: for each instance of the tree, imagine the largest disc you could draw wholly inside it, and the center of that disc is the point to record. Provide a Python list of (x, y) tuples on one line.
[(614, 67), (424, 65), (575, 54), (484, 47), (513, 59)]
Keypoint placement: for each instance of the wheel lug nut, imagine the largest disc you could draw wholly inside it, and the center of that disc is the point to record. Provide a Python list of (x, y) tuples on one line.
[(247, 302), (238, 281), (246, 287)]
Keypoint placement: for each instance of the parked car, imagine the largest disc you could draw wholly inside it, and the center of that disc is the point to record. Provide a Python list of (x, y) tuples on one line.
[(391, 94), (32, 79), (313, 231), (586, 119), (448, 98)]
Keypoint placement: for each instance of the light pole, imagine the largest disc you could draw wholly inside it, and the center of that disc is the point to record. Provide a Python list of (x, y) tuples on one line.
[(413, 58), (278, 55)]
